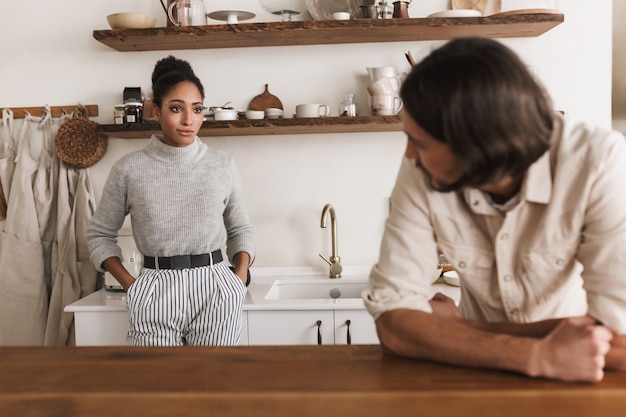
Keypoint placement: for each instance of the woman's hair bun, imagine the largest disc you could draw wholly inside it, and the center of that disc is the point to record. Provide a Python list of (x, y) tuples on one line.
[(170, 64)]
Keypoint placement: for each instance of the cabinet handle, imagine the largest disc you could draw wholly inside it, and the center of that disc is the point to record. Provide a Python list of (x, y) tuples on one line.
[(348, 335), (319, 332)]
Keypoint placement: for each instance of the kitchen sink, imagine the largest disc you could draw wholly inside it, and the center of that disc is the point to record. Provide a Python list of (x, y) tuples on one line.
[(319, 288)]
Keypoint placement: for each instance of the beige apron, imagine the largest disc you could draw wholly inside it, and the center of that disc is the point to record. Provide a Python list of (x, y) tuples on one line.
[(44, 192), (23, 296), (75, 276)]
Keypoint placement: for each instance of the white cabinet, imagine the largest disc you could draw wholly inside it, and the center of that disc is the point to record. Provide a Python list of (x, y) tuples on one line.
[(101, 328), (354, 327), (309, 327), (290, 327)]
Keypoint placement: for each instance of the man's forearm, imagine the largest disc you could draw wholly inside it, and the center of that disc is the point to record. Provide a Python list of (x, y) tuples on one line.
[(571, 349)]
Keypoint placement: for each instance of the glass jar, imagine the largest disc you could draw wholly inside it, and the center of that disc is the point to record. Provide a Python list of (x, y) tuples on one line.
[(347, 107), (119, 112), (385, 10), (133, 111)]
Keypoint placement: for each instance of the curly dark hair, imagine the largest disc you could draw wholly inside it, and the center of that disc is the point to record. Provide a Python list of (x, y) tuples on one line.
[(478, 97), (167, 73)]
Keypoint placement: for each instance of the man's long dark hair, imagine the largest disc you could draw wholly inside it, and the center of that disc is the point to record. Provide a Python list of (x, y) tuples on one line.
[(478, 97)]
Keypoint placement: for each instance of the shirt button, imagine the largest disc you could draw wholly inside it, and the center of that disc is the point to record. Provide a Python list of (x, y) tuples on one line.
[(475, 202), (508, 277), (560, 261), (462, 264), (504, 236), (514, 312)]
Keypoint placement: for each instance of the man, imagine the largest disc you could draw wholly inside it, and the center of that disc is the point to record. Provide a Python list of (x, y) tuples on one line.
[(529, 209)]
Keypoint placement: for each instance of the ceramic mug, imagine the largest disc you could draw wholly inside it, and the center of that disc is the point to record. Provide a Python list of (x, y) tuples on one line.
[(386, 104), (384, 86), (311, 110)]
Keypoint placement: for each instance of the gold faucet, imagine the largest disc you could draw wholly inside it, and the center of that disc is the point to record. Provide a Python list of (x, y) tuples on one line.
[(335, 260)]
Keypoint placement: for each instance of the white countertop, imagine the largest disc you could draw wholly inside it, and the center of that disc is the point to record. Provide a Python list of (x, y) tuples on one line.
[(262, 280)]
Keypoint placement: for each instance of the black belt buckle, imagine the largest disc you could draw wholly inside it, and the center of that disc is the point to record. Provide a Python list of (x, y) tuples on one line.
[(180, 262)]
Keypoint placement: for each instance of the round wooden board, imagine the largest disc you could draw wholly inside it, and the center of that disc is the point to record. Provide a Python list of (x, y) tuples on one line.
[(264, 101)]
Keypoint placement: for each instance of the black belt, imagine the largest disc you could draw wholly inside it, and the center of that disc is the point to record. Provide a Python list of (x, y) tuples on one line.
[(182, 261)]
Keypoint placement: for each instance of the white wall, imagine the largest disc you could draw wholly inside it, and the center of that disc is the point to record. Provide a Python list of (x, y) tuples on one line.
[(50, 57)]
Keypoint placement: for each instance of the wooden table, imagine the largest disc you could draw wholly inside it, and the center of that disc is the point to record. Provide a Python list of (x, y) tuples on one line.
[(279, 381)]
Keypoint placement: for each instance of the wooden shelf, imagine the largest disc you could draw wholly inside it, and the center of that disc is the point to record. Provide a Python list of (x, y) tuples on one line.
[(267, 127), (321, 32)]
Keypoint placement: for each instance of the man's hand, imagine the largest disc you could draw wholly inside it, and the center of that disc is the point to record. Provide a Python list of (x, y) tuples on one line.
[(443, 305), (574, 351)]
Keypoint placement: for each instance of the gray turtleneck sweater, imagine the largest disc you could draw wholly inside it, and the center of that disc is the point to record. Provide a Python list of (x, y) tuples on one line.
[(181, 201)]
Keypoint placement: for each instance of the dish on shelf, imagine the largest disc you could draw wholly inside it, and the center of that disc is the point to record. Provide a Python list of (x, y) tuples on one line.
[(273, 113), (225, 114), (526, 11), (456, 13), (232, 17), (129, 20)]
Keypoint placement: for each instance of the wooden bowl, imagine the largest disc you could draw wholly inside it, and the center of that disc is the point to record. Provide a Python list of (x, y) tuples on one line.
[(131, 20)]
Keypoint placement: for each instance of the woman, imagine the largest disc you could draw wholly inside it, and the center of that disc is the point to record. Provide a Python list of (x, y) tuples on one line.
[(185, 202)]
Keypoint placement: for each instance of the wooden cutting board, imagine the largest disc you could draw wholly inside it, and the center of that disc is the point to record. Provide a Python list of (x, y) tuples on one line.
[(485, 7), (264, 101)]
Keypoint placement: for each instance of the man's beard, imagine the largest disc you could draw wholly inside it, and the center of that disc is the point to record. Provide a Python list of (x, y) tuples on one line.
[(435, 184)]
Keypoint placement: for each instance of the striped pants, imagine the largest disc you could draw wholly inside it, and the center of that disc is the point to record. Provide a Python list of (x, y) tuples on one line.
[(194, 306)]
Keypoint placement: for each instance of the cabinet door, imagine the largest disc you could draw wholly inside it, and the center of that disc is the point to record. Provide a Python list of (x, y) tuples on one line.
[(101, 328), (354, 327), (290, 327)]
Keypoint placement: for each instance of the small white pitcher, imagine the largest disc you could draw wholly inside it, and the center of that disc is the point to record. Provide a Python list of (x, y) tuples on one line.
[(188, 13)]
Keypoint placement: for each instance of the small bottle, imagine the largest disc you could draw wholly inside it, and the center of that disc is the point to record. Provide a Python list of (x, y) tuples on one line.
[(347, 107), (118, 114)]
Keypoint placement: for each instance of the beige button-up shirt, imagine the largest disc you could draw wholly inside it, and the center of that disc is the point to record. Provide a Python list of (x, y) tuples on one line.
[(561, 251)]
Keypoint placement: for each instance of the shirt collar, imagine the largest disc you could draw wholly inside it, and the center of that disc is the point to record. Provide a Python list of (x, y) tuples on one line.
[(537, 186)]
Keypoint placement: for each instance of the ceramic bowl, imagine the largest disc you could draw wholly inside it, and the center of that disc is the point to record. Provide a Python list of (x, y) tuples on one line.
[(255, 114), (451, 278), (131, 21), (272, 113), (225, 114)]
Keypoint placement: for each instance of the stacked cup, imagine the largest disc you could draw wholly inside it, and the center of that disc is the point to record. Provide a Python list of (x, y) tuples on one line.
[(383, 89)]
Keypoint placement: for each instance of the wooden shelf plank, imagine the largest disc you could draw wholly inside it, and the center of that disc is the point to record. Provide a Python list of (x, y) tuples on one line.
[(320, 32), (267, 127)]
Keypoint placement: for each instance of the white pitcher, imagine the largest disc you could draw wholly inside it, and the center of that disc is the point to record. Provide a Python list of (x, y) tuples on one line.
[(376, 73), (188, 13)]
